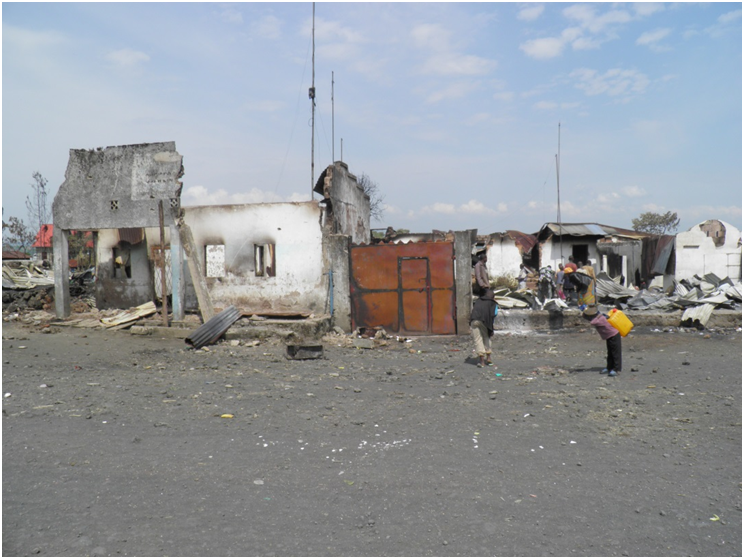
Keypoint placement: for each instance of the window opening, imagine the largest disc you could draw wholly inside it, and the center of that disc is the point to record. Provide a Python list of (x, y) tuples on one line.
[(264, 260), (215, 257)]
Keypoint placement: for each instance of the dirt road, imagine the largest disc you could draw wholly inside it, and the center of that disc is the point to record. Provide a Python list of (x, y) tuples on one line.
[(121, 445)]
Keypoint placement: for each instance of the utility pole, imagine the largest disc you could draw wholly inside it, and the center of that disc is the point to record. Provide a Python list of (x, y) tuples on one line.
[(558, 182), (333, 124), (311, 94)]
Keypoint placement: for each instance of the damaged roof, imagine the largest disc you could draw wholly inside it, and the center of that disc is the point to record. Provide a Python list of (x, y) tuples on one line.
[(588, 229)]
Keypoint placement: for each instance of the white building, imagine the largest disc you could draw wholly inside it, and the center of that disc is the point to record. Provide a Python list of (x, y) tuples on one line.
[(712, 246)]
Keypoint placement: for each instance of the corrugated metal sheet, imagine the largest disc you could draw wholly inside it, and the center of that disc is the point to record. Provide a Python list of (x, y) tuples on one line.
[(523, 241), (213, 329), (592, 229), (700, 314)]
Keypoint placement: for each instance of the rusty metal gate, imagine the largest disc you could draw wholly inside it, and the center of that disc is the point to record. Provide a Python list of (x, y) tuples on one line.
[(403, 288)]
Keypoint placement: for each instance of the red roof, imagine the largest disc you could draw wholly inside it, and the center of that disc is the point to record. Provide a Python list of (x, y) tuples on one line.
[(44, 237)]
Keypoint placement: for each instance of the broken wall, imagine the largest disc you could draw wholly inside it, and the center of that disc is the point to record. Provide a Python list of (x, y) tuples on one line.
[(260, 257), (504, 256), (347, 204), (119, 186), (114, 188), (712, 246)]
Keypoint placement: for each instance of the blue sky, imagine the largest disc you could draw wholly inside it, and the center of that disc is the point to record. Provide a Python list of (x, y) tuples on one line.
[(452, 109)]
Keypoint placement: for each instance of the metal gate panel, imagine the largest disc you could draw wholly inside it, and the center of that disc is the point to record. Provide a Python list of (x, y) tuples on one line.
[(404, 288)]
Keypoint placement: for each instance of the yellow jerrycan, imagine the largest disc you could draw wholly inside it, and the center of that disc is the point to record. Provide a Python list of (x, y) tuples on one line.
[(620, 322)]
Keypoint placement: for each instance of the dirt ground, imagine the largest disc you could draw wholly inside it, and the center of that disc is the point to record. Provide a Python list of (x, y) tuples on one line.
[(122, 445)]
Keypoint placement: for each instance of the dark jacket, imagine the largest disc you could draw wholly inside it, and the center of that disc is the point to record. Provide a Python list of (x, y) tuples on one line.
[(484, 310)]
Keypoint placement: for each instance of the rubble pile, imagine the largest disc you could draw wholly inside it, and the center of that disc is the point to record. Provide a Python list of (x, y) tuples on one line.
[(29, 287), (698, 297)]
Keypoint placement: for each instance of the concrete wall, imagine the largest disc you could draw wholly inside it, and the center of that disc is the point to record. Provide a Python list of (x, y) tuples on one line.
[(337, 258), (348, 204), (463, 283), (293, 229), (504, 257), (119, 186), (697, 253), (551, 251)]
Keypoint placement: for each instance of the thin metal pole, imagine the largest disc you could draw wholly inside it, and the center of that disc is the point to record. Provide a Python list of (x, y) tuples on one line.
[(333, 124), (312, 100), (558, 183)]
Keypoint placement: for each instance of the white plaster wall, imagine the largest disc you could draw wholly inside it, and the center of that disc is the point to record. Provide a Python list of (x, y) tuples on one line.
[(551, 252), (723, 261), (504, 259), (294, 228)]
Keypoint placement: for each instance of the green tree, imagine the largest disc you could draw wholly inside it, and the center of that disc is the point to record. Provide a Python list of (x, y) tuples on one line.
[(658, 224)]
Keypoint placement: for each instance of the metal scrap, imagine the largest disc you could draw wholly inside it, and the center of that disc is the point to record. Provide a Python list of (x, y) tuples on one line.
[(27, 276), (213, 329)]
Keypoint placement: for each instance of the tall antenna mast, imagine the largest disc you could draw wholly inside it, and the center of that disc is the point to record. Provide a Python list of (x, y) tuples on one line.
[(558, 183), (333, 124), (311, 94)]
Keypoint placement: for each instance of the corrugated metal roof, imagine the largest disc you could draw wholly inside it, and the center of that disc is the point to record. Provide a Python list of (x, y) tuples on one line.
[(592, 229)]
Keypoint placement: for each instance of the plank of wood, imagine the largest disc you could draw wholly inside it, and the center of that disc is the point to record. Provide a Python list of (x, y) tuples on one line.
[(197, 277)]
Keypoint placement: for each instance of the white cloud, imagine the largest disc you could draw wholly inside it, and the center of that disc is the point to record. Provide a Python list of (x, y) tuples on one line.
[(231, 15), (543, 49), (643, 9), (531, 12), (269, 27), (452, 64), (328, 31), (27, 39), (127, 57), (546, 105), (445, 60), (651, 37), (431, 36), (472, 207), (730, 17), (633, 191), (439, 208), (503, 96), (615, 82), (476, 207), (454, 91)]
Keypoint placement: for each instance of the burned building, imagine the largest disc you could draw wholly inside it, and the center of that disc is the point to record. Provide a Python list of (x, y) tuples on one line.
[(258, 257)]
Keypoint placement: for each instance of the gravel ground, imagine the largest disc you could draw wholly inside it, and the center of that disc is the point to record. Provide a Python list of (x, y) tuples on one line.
[(126, 445)]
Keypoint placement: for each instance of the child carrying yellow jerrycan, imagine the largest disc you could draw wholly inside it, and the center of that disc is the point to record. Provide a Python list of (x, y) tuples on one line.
[(611, 335), (621, 322)]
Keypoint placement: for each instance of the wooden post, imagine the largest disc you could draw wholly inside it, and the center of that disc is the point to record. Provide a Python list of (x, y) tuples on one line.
[(197, 277)]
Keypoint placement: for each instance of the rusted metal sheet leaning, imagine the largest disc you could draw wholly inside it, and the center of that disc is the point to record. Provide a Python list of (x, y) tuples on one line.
[(213, 329)]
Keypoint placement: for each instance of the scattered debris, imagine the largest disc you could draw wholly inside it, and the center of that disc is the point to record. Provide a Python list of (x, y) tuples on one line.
[(304, 352), (26, 276), (126, 318)]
